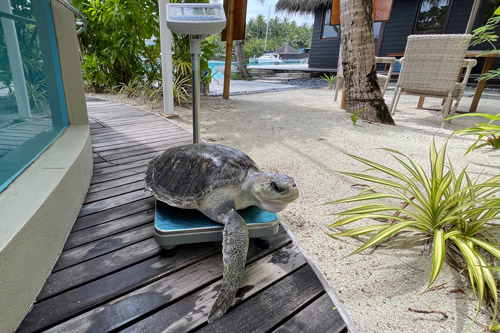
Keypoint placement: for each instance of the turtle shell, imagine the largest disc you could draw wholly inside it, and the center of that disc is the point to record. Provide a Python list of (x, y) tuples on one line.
[(182, 176)]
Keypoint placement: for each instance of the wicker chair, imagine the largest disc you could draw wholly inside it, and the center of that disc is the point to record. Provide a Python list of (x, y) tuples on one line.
[(383, 79), (431, 66)]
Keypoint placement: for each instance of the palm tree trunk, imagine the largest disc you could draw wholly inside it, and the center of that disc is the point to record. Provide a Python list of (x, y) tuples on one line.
[(240, 58), (358, 53)]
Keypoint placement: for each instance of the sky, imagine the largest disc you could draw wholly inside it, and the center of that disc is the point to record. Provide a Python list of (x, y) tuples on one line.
[(254, 8)]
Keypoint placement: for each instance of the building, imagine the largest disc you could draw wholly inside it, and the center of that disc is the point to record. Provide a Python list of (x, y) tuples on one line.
[(407, 17)]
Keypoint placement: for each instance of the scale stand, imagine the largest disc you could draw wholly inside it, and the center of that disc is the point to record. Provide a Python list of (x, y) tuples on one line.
[(175, 226)]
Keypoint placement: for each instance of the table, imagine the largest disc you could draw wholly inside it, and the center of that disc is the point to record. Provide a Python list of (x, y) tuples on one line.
[(486, 67)]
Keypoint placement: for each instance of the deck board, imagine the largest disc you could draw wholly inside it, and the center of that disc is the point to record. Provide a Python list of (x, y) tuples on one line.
[(112, 276)]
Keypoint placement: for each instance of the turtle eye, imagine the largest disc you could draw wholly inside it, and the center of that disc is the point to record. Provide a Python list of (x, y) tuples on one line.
[(275, 187)]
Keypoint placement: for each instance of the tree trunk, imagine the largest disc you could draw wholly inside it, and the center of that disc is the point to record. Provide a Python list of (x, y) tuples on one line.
[(358, 53), (240, 58)]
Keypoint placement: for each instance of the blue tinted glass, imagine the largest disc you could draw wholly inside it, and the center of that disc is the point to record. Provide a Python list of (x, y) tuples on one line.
[(329, 31), (32, 107)]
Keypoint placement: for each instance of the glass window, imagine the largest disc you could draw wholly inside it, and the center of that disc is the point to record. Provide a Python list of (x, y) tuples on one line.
[(432, 16), (329, 31), (32, 106)]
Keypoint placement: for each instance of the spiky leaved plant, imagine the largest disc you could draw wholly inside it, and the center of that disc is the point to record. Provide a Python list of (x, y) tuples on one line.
[(456, 212), (488, 134)]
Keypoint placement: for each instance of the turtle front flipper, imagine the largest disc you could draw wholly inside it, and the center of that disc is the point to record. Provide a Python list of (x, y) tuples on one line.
[(234, 256)]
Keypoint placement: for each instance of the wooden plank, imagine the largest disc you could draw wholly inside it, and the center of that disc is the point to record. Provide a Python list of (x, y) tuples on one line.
[(143, 159), (115, 183), (113, 214), (266, 310), (191, 312), (103, 246), (75, 301), (123, 310), (95, 268), (140, 150), (102, 230), (136, 146), (321, 316), (124, 172), (92, 197), (120, 140), (105, 143), (119, 200)]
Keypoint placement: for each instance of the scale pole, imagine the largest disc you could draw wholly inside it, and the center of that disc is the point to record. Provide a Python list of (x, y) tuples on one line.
[(195, 76), (195, 47)]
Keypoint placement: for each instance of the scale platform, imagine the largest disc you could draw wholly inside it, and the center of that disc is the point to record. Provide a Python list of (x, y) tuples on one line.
[(176, 226)]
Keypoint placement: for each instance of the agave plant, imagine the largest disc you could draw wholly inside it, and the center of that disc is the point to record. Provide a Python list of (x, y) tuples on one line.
[(488, 134), (446, 206)]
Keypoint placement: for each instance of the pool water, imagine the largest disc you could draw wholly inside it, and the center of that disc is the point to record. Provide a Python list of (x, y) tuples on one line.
[(220, 73)]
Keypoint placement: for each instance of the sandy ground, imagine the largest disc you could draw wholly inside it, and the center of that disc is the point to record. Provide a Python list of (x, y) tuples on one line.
[(304, 134)]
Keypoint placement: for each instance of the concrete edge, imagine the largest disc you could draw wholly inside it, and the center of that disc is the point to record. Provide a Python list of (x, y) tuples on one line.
[(340, 308), (38, 211)]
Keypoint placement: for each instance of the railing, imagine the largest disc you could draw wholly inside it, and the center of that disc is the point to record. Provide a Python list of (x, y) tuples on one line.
[(83, 22)]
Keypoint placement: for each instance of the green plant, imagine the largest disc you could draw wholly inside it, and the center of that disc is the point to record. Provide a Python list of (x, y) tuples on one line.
[(488, 134), (37, 95), (488, 34), (182, 92), (355, 115), (443, 205), (330, 79)]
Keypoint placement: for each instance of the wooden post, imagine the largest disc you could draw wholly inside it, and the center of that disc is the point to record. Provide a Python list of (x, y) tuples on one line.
[(229, 49)]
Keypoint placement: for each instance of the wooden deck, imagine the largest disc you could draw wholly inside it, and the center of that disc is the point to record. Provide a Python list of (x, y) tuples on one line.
[(13, 136), (112, 276)]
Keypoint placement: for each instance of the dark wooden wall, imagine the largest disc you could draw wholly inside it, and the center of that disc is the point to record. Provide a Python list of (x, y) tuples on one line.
[(324, 53)]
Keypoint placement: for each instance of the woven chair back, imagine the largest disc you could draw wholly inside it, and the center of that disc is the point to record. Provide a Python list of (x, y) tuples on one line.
[(432, 62)]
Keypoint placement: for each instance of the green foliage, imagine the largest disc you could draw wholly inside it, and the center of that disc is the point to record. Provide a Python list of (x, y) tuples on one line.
[(280, 31), (444, 205), (114, 45), (488, 33), (330, 79), (488, 134), (355, 115)]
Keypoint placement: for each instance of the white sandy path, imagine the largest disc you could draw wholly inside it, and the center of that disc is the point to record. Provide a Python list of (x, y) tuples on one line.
[(304, 134)]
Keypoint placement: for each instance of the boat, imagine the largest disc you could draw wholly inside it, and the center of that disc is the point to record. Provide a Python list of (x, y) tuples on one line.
[(270, 58), (252, 60)]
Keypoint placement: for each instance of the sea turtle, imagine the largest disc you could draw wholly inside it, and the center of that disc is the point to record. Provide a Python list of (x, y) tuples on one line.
[(218, 180)]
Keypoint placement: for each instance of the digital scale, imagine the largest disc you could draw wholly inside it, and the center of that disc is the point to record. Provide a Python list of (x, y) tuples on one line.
[(175, 226)]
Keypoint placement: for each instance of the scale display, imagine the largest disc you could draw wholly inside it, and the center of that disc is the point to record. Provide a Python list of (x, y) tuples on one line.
[(191, 18)]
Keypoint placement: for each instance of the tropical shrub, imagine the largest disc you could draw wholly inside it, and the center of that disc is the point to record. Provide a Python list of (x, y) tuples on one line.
[(457, 213), (330, 79), (488, 134), (488, 34)]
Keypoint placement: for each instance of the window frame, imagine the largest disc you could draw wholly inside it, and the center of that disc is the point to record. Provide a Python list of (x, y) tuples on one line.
[(323, 21), (445, 22)]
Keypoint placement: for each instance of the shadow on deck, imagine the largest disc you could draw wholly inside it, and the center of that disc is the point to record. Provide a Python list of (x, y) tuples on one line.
[(112, 276)]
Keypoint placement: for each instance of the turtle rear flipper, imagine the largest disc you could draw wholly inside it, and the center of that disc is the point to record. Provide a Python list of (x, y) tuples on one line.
[(234, 256)]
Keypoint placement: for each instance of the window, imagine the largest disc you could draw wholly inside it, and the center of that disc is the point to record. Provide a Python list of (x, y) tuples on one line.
[(32, 105), (432, 16), (329, 31)]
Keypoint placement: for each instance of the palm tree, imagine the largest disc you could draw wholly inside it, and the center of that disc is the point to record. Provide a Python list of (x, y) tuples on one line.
[(358, 53)]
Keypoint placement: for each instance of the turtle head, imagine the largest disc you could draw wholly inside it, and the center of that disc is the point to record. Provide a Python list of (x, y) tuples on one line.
[(274, 192)]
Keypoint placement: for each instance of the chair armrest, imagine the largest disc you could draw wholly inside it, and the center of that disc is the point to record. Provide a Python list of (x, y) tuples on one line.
[(385, 60), (468, 63)]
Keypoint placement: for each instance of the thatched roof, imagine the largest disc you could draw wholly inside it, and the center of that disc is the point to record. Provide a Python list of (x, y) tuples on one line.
[(300, 6), (287, 49)]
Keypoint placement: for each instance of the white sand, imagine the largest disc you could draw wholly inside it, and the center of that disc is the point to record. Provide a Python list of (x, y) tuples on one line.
[(304, 134)]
